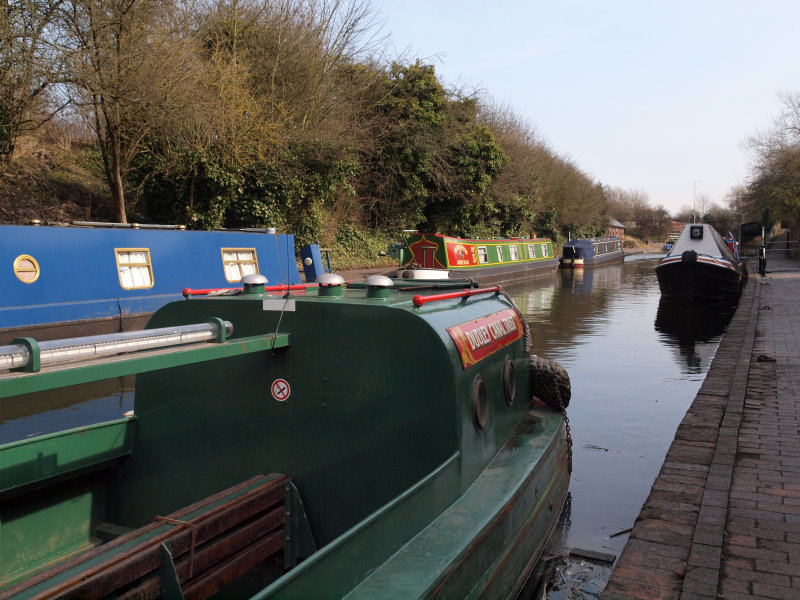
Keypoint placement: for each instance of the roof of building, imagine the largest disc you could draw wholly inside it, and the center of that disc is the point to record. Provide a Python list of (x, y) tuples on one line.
[(614, 223)]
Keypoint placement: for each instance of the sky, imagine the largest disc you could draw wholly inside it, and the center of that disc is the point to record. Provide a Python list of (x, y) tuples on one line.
[(658, 97)]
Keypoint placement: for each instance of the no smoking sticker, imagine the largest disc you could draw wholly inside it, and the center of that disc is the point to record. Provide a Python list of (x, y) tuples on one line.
[(281, 390)]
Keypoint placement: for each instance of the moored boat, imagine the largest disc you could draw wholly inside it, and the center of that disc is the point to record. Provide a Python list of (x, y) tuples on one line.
[(592, 252), (489, 261), (274, 452), (701, 267), (93, 278)]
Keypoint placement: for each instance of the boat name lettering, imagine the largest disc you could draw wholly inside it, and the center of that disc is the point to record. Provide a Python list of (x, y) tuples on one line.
[(483, 337)]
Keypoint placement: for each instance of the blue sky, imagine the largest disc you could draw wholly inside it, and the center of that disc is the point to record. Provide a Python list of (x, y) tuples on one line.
[(650, 96)]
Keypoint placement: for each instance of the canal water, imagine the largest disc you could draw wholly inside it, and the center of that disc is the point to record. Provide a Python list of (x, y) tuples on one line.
[(635, 365)]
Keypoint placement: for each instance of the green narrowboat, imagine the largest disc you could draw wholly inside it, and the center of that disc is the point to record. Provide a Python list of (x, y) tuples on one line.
[(278, 450), (490, 261)]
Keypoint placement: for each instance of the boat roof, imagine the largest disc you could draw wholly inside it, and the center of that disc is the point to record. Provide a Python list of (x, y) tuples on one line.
[(709, 242), (519, 240), (581, 241)]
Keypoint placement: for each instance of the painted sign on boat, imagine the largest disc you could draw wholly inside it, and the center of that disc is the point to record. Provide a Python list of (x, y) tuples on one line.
[(482, 337)]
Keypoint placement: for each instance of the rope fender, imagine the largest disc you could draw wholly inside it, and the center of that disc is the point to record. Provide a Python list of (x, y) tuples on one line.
[(550, 382)]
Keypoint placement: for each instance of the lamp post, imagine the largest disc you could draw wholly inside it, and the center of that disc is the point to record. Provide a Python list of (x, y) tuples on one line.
[(694, 202)]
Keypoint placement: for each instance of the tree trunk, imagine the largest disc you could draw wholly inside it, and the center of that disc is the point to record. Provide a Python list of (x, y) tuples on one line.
[(115, 178)]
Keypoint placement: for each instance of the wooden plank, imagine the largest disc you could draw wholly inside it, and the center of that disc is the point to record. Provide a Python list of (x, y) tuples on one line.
[(221, 512)]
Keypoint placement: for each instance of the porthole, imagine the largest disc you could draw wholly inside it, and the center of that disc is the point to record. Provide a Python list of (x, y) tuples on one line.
[(509, 382), (480, 404), (26, 268)]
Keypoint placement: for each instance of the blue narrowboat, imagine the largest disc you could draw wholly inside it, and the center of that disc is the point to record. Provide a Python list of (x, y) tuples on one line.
[(591, 252), (93, 278)]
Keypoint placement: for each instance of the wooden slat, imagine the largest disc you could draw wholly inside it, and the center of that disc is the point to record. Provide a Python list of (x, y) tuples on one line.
[(214, 557), (234, 567), (143, 560)]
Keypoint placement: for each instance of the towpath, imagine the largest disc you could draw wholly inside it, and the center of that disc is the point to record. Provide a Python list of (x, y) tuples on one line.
[(723, 516)]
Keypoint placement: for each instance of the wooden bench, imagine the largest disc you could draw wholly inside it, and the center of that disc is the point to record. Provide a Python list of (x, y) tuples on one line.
[(190, 553)]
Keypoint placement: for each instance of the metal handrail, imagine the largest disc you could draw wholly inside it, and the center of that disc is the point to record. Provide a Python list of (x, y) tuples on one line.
[(27, 353), (281, 287), (419, 300)]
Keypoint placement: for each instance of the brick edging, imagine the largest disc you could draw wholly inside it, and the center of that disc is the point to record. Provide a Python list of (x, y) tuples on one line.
[(705, 555)]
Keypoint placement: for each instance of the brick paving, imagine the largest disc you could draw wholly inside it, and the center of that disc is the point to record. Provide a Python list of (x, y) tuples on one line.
[(723, 516)]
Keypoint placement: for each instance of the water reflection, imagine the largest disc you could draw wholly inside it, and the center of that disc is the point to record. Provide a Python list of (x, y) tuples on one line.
[(40, 413), (631, 385), (694, 330)]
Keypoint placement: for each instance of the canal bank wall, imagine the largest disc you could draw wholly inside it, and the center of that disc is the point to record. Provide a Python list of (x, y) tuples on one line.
[(723, 516)]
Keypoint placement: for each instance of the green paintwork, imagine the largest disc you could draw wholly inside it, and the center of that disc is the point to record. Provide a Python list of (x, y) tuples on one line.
[(374, 425), (29, 461), (499, 252)]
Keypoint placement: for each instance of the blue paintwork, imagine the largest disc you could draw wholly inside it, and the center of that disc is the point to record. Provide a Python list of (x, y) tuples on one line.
[(585, 251), (311, 254), (78, 270)]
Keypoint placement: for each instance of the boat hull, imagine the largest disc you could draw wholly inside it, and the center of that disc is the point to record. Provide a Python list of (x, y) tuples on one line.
[(488, 541), (594, 261), (509, 274), (702, 280), (488, 262), (433, 473), (78, 281), (592, 252)]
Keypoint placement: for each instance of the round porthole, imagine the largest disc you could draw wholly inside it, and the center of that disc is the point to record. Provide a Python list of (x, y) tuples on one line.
[(480, 404), (509, 382), (26, 268)]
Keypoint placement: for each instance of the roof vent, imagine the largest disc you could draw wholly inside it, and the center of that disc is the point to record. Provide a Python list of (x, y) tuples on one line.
[(330, 284), (378, 286), (254, 283)]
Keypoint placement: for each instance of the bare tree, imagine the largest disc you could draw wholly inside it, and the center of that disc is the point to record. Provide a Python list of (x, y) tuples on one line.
[(775, 178), (126, 58), (702, 205), (29, 64)]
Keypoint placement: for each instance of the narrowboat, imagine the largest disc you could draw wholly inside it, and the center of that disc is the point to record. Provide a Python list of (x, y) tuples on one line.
[(491, 261), (701, 267), (92, 278), (592, 252), (275, 452)]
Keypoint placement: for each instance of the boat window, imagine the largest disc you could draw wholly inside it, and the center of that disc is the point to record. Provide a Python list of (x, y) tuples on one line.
[(499, 253), (483, 255), (480, 404), (514, 252), (544, 250), (26, 268), (134, 267), (531, 251), (239, 262), (509, 382)]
